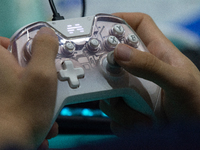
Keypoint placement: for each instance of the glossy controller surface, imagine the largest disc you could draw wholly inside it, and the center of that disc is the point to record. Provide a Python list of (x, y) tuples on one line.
[(84, 71)]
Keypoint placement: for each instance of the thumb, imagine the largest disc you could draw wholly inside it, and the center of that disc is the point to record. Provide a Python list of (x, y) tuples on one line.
[(44, 47), (44, 51), (4, 42), (144, 65)]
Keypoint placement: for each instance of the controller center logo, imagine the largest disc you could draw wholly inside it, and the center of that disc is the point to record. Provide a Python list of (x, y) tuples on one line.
[(77, 27)]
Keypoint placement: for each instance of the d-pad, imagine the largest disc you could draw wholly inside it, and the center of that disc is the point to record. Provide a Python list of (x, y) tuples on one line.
[(71, 74)]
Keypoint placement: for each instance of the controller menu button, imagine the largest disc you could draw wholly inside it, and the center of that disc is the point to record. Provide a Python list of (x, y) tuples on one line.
[(71, 74), (69, 48), (93, 45), (132, 40), (117, 30)]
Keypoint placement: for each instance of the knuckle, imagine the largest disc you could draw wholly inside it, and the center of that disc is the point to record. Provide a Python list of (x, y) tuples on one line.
[(149, 63), (146, 16), (149, 67), (189, 79)]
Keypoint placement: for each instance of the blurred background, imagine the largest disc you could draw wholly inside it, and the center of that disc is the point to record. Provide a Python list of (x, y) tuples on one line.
[(179, 20)]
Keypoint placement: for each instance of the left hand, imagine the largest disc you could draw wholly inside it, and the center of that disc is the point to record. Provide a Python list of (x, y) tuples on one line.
[(27, 95), (54, 130)]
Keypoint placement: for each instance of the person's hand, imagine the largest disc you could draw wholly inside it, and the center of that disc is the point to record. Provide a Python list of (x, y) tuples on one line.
[(166, 66), (52, 133), (27, 95)]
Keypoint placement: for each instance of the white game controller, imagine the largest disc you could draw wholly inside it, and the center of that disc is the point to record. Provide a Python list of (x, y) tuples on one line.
[(85, 64)]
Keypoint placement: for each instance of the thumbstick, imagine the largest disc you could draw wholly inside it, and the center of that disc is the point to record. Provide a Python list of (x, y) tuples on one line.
[(28, 50), (112, 65)]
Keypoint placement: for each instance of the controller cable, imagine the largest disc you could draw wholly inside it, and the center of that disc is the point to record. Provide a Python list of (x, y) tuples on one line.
[(84, 7), (57, 16)]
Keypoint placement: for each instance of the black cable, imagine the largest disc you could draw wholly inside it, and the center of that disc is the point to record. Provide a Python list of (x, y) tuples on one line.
[(53, 8), (84, 7), (56, 15)]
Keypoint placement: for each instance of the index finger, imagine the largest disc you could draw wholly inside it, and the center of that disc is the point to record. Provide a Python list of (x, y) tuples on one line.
[(143, 25), (155, 41)]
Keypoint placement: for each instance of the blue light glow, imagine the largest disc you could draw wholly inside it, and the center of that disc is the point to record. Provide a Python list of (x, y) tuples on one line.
[(87, 112), (66, 112), (104, 115)]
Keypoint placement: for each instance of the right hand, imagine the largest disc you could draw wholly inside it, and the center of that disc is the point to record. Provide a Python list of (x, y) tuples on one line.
[(165, 65)]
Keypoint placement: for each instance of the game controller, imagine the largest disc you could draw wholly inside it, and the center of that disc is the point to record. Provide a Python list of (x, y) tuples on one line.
[(85, 63)]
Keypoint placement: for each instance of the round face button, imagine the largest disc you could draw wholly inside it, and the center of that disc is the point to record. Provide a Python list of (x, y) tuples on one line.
[(69, 47), (118, 30), (94, 43), (112, 42), (132, 40)]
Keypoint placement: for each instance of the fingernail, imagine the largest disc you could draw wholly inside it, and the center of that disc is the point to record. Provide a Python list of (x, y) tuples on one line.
[(46, 30), (123, 52)]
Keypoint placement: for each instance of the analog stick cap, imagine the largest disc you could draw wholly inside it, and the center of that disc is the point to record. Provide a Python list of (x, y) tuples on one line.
[(112, 65)]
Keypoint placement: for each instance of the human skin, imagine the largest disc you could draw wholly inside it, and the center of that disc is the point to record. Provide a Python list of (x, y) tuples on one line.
[(27, 95), (26, 111), (164, 65)]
